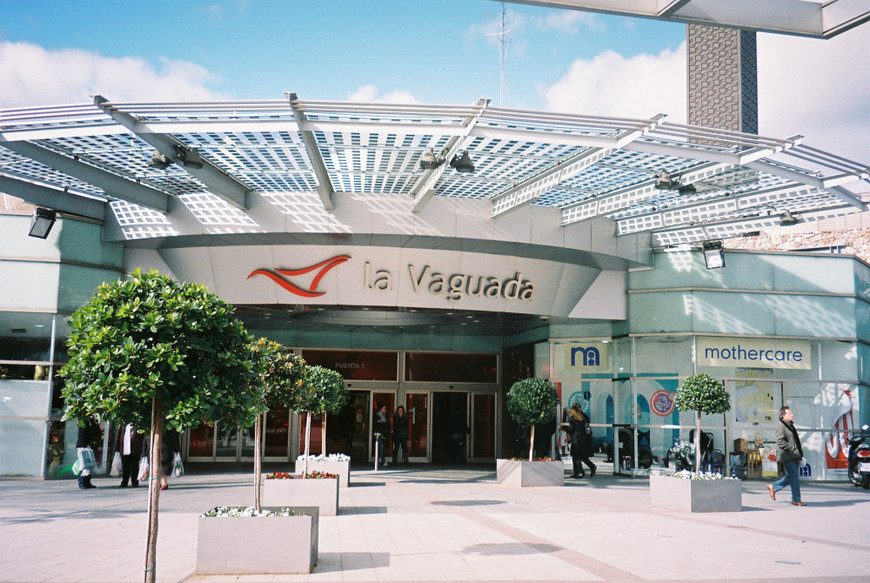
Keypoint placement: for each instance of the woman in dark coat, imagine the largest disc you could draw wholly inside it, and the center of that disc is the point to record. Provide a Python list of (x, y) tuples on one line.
[(577, 425)]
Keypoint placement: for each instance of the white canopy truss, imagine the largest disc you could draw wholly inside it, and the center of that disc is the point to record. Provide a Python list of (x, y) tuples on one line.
[(680, 183)]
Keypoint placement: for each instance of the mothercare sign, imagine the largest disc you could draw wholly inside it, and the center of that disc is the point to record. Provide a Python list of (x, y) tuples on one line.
[(575, 360), (753, 353)]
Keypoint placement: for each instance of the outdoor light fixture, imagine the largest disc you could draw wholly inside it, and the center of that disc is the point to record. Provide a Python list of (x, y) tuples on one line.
[(787, 219), (714, 254), (664, 181), (42, 222), (462, 163), (429, 161), (189, 158), (687, 189), (159, 161)]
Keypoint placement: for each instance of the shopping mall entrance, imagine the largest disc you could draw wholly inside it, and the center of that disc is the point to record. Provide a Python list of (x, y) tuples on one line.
[(450, 401)]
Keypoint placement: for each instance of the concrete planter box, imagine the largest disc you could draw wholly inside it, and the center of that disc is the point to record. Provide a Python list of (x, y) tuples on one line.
[(320, 492), (258, 544), (526, 473), (695, 495), (330, 467)]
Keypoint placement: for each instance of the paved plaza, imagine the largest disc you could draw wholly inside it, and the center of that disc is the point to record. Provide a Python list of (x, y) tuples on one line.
[(430, 524)]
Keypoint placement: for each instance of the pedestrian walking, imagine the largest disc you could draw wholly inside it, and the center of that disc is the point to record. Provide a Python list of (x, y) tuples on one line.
[(88, 440), (791, 454), (580, 432)]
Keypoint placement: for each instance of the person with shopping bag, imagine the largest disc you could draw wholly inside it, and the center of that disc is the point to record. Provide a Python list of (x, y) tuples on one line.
[(170, 445), (88, 440), (128, 443)]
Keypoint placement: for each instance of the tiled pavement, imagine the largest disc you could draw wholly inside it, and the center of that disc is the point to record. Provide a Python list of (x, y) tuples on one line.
[(429, 524)]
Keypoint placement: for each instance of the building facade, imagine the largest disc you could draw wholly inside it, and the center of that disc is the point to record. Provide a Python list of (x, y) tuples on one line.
[(426, 329)]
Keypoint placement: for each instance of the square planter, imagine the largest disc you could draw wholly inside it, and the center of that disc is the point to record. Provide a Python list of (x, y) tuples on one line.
[(526, 473), (695, 495), (327, 466), (258, 544), (320, 492)]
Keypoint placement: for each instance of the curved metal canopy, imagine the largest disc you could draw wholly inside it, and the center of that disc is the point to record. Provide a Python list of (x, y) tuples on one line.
[(682, 183)]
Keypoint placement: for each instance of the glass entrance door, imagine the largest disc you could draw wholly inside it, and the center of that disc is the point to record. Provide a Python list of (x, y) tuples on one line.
[(417, 407), (482, 427)]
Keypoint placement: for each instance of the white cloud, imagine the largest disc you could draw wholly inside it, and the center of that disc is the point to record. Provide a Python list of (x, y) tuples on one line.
[(369, 93), (816, 88), (819, 89), (612, 85), (32, 76), (569, 21)]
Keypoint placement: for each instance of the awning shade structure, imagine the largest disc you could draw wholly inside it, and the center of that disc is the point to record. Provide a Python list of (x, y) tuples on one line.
[(814, 18), (135, 162)]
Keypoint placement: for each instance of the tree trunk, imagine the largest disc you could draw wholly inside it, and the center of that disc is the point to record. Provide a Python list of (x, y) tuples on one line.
[(323, 436), (307, 442), (698, 444), (154, 471), (258, 462), (531, 443)]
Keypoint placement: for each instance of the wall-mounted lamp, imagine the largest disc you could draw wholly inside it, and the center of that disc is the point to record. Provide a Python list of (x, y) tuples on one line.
[(714, 254), (664, 181), (42, 222), (159, 161), (667, 181), (462, 163), (429, 161), (189, 157), (787, 219)]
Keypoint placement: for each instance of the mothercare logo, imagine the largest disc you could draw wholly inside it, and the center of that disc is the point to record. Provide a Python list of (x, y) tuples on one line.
[(575, 360), (587, 355), (751, 352), (280, 276)]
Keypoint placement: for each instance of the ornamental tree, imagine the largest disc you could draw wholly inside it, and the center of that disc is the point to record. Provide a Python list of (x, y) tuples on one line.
[(280, 379), (323, 392), (703, 394), (532, 401), (156, 353)]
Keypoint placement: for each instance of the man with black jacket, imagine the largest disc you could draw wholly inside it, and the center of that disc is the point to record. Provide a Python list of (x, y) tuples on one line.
[(790, 453)]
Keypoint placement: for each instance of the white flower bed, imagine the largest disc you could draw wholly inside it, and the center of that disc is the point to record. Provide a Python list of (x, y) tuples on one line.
[(233, 511), (333, 457), (689, 475)]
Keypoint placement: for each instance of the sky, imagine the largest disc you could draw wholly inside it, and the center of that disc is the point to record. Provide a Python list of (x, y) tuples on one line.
[(442, 52)]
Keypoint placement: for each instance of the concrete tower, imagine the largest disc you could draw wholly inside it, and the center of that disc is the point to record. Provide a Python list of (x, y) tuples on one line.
[(722, 78)]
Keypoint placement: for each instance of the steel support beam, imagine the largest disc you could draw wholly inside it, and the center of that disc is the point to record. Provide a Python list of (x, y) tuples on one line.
[(53, 198), (219, 183), (424, 189), (532, 189), (113, 185), (324, 184)]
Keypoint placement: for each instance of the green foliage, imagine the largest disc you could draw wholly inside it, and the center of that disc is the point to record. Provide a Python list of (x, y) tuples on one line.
[(323, 392), (703, 393), (150, 337), (281, 374), (532, 401)]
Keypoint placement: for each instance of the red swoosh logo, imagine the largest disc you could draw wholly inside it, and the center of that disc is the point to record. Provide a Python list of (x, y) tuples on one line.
[(311, 292)]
